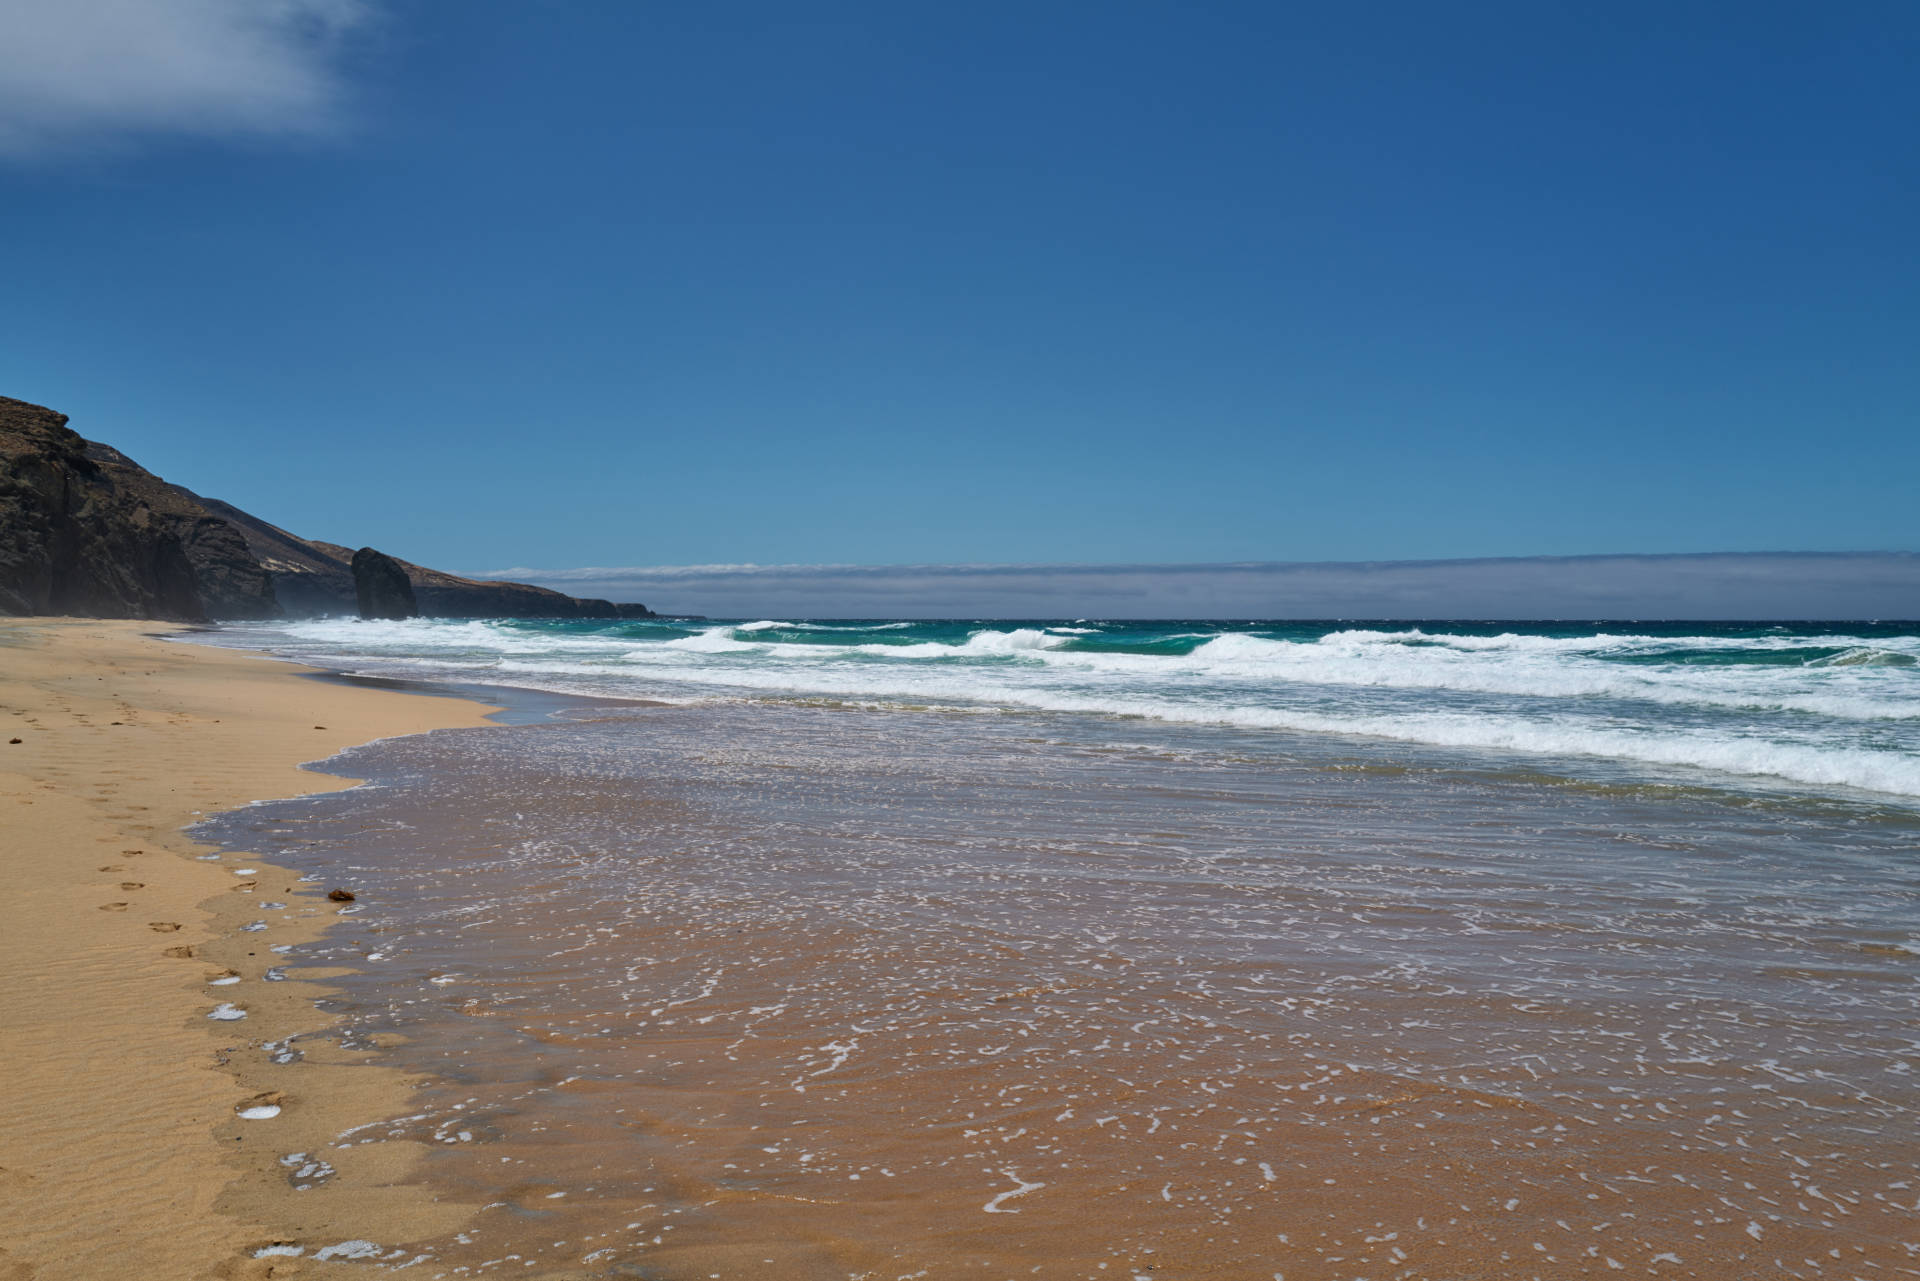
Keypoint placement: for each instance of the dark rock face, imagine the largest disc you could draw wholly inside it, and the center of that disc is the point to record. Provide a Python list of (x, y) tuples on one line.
[(473, 598), (310, 579), (381, 586), (445, 596), (313, 579), (84, 530)]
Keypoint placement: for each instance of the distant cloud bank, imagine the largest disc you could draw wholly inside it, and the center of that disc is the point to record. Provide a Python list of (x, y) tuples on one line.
[(1733, 585), (75, 74)]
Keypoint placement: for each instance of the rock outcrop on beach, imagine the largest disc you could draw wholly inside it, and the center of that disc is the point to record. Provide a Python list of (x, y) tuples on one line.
[(86, 531), (381, 586)]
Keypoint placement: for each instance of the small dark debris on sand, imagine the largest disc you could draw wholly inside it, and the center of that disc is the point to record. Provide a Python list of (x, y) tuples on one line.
[(340, 896)]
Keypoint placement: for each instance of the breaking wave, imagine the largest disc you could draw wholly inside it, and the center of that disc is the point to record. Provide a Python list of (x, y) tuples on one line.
[(1822, 709)]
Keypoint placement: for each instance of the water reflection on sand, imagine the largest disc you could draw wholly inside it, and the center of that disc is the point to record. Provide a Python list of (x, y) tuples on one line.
[(825, 992)]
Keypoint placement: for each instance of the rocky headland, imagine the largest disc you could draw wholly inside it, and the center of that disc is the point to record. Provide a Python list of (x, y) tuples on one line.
[(87, 532)]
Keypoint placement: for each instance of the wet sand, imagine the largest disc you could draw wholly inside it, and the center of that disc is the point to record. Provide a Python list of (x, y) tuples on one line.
[(122, 1149), (819, 992)]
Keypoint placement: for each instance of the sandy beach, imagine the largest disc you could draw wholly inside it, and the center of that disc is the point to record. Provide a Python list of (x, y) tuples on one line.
[(809, 990), (122, 1151)]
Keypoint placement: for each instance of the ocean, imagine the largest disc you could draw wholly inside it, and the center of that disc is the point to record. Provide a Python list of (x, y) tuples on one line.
[(1820, 707), (1070, 948)]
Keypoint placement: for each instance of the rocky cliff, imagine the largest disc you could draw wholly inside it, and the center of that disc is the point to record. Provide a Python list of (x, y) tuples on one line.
[(447, 596), (84, 530)]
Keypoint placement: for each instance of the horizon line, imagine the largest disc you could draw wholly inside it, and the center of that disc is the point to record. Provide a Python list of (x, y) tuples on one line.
[(743, 567)]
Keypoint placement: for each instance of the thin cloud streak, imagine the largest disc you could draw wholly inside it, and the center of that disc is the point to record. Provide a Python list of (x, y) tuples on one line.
[(1785, 585), (79, 74)]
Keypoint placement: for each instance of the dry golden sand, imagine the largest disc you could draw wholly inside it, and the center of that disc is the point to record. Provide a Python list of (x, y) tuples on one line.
[(121, 1154)]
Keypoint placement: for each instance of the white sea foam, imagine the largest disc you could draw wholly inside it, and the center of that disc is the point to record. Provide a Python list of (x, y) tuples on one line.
[(1848, 718), (1020, 640), (1528, 666), (715, 640), (1021, 1188)]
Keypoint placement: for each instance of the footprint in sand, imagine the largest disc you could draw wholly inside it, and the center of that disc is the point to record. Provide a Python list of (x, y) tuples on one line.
[(113, 907), (163, 927), (182, 953), (227, 1013), (133, 885)]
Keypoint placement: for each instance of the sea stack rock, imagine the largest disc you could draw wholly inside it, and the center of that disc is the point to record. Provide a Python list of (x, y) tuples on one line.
[(382, 586)]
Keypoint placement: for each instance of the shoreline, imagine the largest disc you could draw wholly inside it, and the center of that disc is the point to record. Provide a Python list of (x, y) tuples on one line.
[(747, 991), (648, 932), (122, 1151)]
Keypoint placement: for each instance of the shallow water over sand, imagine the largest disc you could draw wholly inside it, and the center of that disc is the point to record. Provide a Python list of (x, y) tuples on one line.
[(813, 991)]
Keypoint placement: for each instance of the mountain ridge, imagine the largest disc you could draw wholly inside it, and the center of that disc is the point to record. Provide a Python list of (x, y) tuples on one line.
[(86, 531)]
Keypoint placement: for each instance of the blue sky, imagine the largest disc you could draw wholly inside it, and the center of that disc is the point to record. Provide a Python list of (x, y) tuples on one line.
[(493, 285)]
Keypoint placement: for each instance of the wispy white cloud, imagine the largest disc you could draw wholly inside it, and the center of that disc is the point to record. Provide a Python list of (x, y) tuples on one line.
[(1729, 585), (79, 74)]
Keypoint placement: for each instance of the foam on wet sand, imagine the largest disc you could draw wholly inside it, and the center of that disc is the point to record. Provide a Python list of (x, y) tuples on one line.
[(888, 992)]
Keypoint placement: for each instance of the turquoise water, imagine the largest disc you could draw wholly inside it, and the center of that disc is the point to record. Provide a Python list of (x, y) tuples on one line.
[(1813, 707)]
